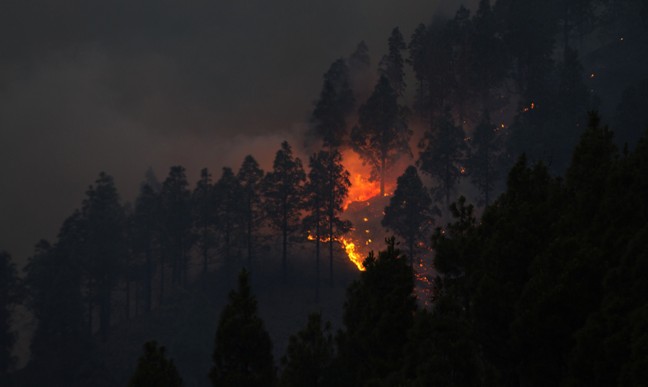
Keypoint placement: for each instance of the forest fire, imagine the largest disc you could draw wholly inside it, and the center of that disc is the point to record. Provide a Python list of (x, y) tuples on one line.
[(362, 188)]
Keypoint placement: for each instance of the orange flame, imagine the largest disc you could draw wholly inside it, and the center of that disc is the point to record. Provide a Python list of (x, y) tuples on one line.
[(361, 188), (349, 248), (353, 255)]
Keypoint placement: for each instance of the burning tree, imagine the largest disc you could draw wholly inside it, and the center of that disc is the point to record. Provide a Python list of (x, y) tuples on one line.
[(327, 187), (382, 135), (410, 211), (283, 191)]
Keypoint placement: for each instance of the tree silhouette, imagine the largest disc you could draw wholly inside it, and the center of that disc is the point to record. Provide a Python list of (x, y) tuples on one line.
[(227, 193), (243, 350), (382, 136), (8, 298), (442, 150), (284, 191), (202, 205), (391, 65), (105, 248), (485, 158), (154, 369), (327, 187), (145, 236), (175, 200), (308, 355), (333, 106), (378, 312), (410, 212), (250, 177)]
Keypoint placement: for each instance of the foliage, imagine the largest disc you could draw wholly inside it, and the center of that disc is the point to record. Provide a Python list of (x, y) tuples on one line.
[(154, 369), (309, 355), (410, 212), (243, 350)]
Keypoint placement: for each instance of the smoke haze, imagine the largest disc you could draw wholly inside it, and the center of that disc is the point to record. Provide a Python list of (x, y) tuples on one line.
[(119, 86)]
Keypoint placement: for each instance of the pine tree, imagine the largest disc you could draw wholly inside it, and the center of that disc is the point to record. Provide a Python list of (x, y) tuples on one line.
[(105, 247), (327, 187), (175, 200), (391, 65), (378, 313), (243, 350), (250, 177), (228, 192), (410, 212), (145, 236), (203, 212), (308, 355), (485, 158), (335, 103), (382, 136), (154, 369), (283, 192), (442, 150), (9, 293)]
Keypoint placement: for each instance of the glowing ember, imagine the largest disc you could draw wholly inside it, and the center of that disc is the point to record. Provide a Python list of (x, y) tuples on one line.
[(353, 255)]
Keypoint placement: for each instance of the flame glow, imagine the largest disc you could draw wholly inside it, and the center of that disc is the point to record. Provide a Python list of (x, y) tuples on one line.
[(351, 252), (362, 189)]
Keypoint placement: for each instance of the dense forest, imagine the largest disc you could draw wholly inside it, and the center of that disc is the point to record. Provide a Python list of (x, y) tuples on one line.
[(541, 281)]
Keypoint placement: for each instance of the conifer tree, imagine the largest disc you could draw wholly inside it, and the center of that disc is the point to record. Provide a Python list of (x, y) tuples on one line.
[(335, 103), (203, 212), (228, 192), (410, 212), (243, 350), (391, 65), (442, 150), (145, 236), (8, 298), (154, 369), (378, 313), (175, 200), (250, 178), (105, 248), (382, 135), (284, 191), (485, 158), (327, 187), (309, 355)]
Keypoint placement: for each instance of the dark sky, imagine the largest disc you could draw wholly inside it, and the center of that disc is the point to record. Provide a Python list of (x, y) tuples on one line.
[(121, 85)]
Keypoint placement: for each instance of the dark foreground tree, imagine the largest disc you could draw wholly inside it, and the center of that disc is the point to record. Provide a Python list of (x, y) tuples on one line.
[(410, 212), (154, 369), (243, 350), (8, 297), (309, 354), (378, 313)]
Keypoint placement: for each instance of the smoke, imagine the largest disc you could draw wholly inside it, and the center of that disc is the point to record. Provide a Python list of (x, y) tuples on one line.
[(90, 86)]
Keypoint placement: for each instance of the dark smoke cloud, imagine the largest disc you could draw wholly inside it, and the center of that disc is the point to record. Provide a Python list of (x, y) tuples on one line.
[(121, 85)]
